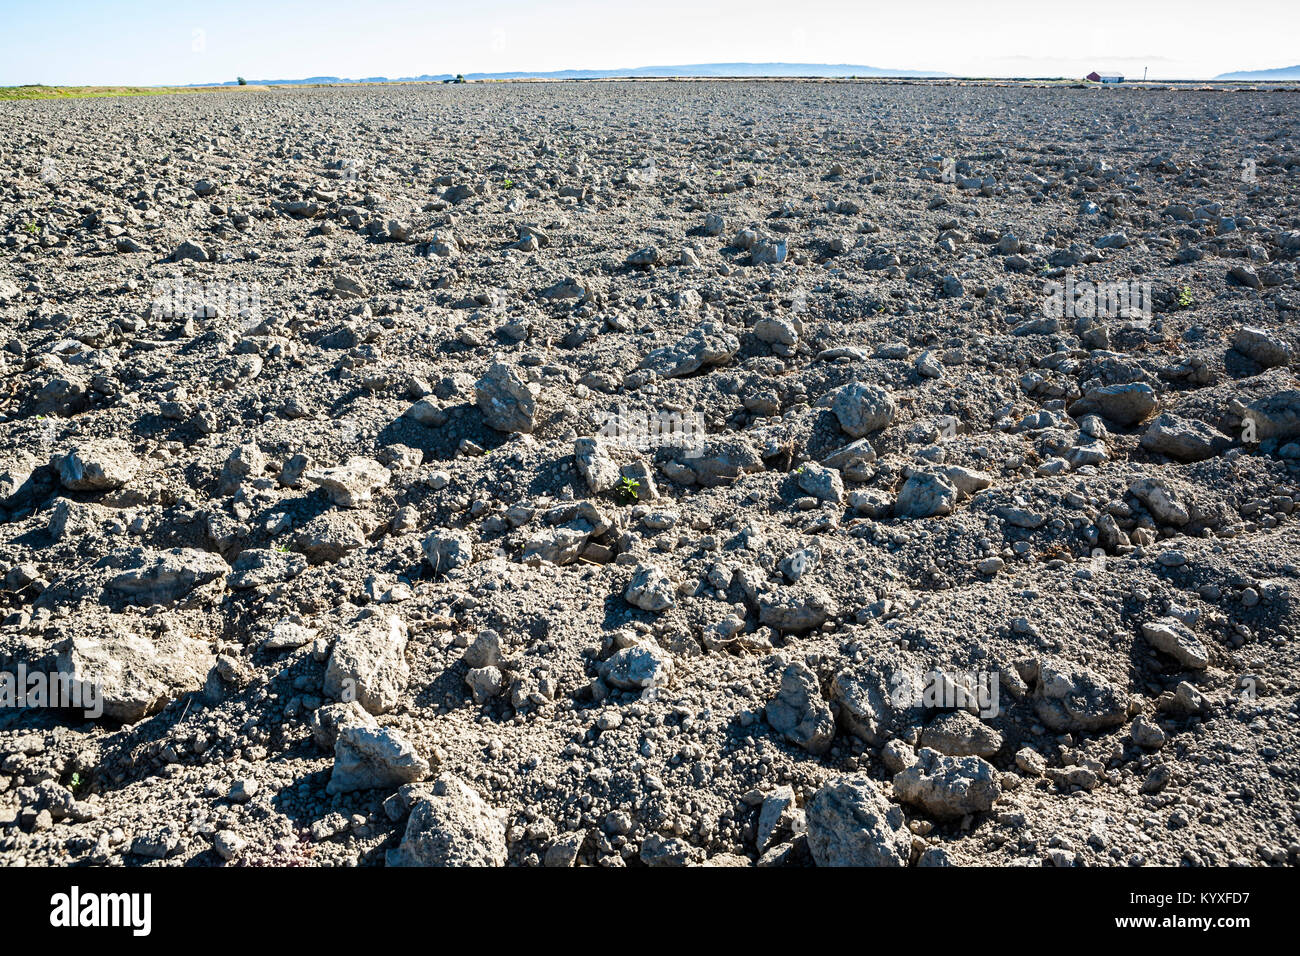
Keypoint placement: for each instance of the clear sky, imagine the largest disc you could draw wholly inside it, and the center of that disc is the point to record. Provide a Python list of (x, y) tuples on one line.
[(160, 42)]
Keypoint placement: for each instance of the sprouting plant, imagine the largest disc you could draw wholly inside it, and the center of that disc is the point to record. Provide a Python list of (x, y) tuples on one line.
[(628, 489), (800, 469), (31, 228), (1185, 298), (509, 184), (75, 783), (282, 548)]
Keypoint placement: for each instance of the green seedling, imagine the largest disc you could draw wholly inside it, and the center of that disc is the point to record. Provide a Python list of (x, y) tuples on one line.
[(1185, 298), (628, 489)]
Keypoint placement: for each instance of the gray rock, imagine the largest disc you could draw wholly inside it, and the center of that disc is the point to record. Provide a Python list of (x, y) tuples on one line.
[(328, 719), (799, 713), (779, 819), (190, 250), (136, 665), (352, 484), (1172, 637), (650, 589), (446, 549), (644, 258), (452, 826), (506, 399), (795, 611), (1070, 698), (1259, 346), (258, 567), (597, 467), (1160, 501), (925, 494), (368, 758), (484, 683), (767, 252), (851, 824), (821, 482), (1125, 405), (637, 667), (876, 700), (862, 408), (1276, 415), (368, 663), (146, 577), (1183, 439), (948, 787), (706, 345), (98, 465), (959, 734)]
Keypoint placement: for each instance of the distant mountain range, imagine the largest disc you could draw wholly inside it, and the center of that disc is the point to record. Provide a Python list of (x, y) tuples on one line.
[(1281, 73), (691, 70)]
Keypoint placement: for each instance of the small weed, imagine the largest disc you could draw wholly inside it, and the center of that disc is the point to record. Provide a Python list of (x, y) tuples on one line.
[(31, 228), (509, 184), (1185, 297), (629, 488)]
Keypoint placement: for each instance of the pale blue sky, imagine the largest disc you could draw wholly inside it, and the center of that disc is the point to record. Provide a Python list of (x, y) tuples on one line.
[(69, 42)]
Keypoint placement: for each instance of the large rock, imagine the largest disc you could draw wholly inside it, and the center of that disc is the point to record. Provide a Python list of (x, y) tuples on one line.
[(821, 482), (373, 758), (352, 484), (506, 399), (146, 577), (638, 667), (1276, 415), (878, 698), (16, 469), (258, 567), (1183, 439), (98, 465), (959, 734), (708, 344), (446, 550), (718, 462), (650, 589), (1125, 405), (799, 713), (925, 494), (851, 824), (136, 664), (948, 787), (453, 826), (862, 408), (795, 610), (368, 663), (597, 467), (1074, 698), (1259, 346), (1160, 501), (1170, 636)]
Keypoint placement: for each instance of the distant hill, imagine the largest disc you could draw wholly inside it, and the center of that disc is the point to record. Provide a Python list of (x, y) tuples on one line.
[(1281, 73), (689, 70)]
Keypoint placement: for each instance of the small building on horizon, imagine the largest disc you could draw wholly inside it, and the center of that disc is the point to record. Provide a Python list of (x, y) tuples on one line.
[(1096, 77)]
